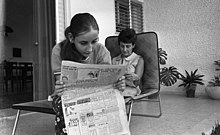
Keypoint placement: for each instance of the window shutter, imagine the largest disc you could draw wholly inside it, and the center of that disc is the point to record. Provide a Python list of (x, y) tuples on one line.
[(122, 14), (129, 13), (137, 16)]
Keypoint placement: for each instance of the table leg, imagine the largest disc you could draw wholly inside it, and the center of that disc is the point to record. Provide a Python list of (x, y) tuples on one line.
[(16, 122)]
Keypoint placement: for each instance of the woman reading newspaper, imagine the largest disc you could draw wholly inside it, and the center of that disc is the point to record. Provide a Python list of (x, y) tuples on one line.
[(81, 45), (134, 62)]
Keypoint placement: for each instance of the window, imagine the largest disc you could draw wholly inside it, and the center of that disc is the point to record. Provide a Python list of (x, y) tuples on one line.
[(129, 13), (137, 16)]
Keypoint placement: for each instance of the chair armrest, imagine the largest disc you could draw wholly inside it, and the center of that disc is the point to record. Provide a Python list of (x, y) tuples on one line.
[(151, 92)]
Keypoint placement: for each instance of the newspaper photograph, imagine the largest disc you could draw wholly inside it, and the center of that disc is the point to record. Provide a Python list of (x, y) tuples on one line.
[(91, 106)]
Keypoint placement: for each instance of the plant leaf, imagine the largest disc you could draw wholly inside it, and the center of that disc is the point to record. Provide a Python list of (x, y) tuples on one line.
[(169, 76), (191, 78), (162, 56)]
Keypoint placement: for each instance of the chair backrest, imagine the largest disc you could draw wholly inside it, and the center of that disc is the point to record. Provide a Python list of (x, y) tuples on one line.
[(147, 47)]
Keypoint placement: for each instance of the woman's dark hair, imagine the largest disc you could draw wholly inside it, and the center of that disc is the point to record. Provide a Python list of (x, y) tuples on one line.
[(80, 24), (67, 30), (127, 35)]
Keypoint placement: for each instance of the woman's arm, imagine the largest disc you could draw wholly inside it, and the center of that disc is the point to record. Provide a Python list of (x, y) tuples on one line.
[(133, 79), (139, 70)]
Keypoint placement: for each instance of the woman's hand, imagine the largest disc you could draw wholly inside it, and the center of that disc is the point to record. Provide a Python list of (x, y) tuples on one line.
[(132, 77), (120, 84), (132, 80), (59, 88)]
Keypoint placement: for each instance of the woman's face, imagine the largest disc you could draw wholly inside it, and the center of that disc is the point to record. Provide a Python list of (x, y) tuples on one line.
[(84, 42), (126, 49)]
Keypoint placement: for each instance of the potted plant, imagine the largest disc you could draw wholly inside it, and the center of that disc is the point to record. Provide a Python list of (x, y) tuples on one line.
[(213, 87), (168, 75), (217, 62), (190, 81)]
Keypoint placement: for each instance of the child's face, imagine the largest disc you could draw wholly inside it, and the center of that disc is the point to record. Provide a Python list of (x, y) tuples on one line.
[(85, 41), (126, 49)]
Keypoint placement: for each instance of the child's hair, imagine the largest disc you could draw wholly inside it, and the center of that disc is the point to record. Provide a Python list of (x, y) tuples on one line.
[(82, 23), (127, 35)]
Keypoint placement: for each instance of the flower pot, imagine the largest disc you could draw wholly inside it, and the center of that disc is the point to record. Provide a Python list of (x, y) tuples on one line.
[(213, 92), (190, 91)]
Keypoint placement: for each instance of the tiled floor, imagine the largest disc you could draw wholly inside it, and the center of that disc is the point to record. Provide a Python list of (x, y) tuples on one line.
[(17, 95), (181, 116)]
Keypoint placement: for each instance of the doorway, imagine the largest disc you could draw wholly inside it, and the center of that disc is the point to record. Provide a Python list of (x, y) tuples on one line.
[(27, 51), (17, 60)]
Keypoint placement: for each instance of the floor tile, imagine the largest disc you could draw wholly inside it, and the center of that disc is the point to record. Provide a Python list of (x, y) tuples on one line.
[(181, 116)]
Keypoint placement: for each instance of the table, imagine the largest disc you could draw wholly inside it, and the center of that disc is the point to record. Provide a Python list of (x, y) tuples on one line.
[(41, 106)]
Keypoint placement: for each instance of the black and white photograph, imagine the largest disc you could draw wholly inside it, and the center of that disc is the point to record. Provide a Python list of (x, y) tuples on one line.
[(170, 48)]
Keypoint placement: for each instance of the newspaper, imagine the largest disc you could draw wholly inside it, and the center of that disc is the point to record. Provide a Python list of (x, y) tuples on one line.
[(91, 106)]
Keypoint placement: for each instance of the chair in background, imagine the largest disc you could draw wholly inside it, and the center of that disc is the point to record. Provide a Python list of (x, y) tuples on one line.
[(10, 75), (17, 74), (1, 78), (147, 47), (25, 74)]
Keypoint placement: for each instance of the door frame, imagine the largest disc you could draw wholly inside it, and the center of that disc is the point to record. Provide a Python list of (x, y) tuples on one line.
[(44, 39)]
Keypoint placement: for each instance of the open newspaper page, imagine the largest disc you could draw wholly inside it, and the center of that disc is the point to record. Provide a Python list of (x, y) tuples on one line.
[(91, 106)]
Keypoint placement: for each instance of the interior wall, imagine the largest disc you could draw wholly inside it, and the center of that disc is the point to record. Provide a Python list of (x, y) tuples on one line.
[(19, 16), (189, 31), (102, 10)]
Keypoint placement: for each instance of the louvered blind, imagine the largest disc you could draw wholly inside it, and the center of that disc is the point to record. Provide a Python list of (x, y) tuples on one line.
[(137, 16), (129, 13), (122, 14)]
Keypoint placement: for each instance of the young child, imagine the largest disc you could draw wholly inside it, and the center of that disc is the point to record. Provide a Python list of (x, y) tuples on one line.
[(135, 63)]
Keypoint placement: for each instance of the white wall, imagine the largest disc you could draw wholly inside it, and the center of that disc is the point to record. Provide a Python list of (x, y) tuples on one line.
[(102, 10), (189, 30)]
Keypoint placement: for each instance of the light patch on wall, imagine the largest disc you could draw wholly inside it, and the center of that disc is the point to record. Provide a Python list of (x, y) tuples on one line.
[(2, 14)]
